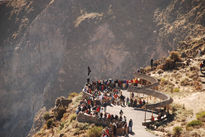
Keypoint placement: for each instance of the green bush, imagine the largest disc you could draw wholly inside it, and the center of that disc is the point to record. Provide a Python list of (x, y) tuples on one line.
[(177, 131), (49, 123), (95, 131), (46, 116), (194, 123), (201, 116)]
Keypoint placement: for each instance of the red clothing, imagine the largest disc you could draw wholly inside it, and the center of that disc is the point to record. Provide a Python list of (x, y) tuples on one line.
[(152, 118), (136, 81), (115, 95), (140, 102), (107, 131), (89, 102), (98, 109), (108, 116)]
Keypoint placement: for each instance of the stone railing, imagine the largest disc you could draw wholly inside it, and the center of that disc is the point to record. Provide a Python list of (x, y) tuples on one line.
[(166, 100), (82, 117)]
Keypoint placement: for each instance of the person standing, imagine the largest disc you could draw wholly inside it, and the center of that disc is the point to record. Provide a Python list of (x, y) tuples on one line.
[(121, 112), (151, 63), (130, 126)]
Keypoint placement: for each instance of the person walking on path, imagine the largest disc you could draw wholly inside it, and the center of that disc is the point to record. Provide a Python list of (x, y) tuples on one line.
[(121, 112), (130, 126), (127, 101)]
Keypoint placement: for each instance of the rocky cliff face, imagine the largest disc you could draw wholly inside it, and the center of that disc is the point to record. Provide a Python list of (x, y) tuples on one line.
[(49, 45)]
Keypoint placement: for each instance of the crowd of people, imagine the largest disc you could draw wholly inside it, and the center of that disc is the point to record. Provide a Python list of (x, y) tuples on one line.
[(107, 92)]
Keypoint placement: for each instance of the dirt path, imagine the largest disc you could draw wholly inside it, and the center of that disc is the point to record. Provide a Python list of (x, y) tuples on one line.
[(137, 117)]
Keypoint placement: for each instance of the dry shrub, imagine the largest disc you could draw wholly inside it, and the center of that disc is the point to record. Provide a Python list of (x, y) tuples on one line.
[(147, 69), (59, 112), (197, 85), (95, 132), (194, 68), (185, 82), (175, 56), (193, 75), (72, 117), (46, 116), (171, 61), (163, 82), (168, 65), (160, 71)]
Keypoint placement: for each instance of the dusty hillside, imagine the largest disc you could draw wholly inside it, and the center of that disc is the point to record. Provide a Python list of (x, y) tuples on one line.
[(47, 45), (185, 84)]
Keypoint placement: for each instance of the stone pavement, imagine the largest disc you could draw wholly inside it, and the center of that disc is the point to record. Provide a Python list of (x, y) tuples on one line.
[(136, 115)]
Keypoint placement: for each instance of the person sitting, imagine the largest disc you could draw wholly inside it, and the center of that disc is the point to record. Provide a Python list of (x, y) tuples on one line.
[(116, 117), (121, 112), (135, 103), (109, 116), (159, 116), (120, 118), (125, 119), (101, 115), (152, 118)]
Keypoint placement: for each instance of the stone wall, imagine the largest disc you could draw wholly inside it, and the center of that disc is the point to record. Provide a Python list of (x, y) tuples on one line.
[(82, 117), (146, 90)]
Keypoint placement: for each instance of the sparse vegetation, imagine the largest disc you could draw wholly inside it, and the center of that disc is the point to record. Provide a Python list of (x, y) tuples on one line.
[(194, 123), (46, 116), (175, 56), (72, 95), (177, 131), (176, 90), (72, 117), (59, 112), (201, 116), (95, 131), (170, 62), (62, 125), (168, 65), (185, 82), (197, 85)]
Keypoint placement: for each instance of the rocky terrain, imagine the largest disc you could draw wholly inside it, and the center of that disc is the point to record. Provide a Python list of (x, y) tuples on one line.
[(184, 83), (46, 47)]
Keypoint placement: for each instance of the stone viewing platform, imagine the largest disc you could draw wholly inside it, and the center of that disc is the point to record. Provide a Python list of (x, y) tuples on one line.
[(104, 100)]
